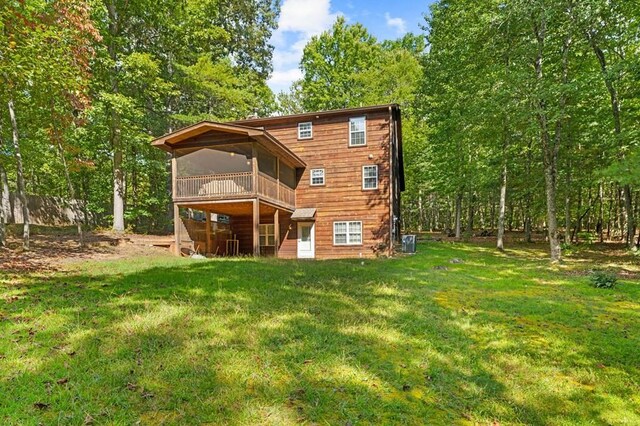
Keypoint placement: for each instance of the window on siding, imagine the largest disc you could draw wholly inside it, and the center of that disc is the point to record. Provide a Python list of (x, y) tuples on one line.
[(347, 233), (357, 131), (317, 177), (267, 235), (370, 177), (305, 130)]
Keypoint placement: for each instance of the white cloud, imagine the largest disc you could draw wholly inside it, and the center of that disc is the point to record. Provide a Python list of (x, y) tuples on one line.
[(299, 21), (306, 17), (398, 23), (285, 77)]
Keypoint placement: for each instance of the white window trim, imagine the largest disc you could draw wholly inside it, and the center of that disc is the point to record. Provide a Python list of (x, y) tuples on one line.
[(348, 234), (324, 178), (377, 177), (365, 131), (310, 130)]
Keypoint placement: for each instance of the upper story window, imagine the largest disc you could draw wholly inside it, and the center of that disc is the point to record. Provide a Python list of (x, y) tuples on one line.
[(357, 131), (317, 177), (305, 130), (370, 177)]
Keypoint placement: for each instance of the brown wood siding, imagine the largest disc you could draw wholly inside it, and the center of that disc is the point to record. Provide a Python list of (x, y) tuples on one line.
[(342, 197)]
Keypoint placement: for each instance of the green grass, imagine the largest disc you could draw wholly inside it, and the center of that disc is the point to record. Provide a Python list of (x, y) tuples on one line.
[(501, 337)]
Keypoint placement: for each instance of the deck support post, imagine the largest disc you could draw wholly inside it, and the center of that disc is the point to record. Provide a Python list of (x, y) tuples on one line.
[(176, 229), (256, 227), (276, 231), (208, 231)]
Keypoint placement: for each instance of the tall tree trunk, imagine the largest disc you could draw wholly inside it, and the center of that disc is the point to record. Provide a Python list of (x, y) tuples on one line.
[(5, 205), (470, 215), (72, 195), (550, 147), (567, 207), (615, 111), (503, 206), (420, 211), (459, 215), (4, 211), (115, 127), (22, 193)]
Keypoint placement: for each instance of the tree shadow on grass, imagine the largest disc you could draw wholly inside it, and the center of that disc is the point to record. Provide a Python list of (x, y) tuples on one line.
[(272, 342)]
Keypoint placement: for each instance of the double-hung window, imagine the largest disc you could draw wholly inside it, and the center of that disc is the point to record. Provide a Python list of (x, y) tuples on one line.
[(370, 177), (317, 177), (347, 233), (305, 130), (357, 131), (267, 235)]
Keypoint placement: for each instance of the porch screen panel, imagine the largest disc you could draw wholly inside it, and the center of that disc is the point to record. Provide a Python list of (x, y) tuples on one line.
[(266, 163), (288, 175), (214, 160)]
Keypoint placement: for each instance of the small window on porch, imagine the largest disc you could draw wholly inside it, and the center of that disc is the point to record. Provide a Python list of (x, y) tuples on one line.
[(305, 130), (267, 235)]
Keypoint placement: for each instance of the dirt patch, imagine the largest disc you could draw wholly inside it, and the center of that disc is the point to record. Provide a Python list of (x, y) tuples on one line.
[(50, 250)]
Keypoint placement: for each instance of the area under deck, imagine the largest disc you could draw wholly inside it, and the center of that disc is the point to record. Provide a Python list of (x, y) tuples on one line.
[(240, 236)]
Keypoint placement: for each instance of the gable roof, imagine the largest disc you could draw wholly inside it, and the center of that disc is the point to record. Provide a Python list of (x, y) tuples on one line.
[(171, 141), (315, 115)]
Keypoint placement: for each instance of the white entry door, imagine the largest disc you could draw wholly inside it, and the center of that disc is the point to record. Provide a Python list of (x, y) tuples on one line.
[(306, 240)]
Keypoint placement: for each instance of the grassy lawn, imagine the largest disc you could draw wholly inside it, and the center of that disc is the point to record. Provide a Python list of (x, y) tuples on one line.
[(416, 340)]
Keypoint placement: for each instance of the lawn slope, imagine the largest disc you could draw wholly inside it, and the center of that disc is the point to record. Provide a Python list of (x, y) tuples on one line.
[(414, 340)]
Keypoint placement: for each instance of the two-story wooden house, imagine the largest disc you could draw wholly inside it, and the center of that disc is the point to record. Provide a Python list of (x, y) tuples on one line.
[(318, 185)]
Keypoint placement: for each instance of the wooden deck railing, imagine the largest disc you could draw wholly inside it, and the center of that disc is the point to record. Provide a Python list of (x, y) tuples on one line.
[(286, 194), (233, 184), (218, 185), (267, 186)]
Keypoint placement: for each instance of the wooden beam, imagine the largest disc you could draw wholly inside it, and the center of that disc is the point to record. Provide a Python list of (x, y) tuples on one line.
[(256, 227), (254, 168), (176, 229), (208, 231), (276, 230), (278, 178), (174, 175)]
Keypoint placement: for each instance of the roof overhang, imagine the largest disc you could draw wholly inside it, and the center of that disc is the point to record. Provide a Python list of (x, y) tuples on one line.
[(174, 140), (304, 214)]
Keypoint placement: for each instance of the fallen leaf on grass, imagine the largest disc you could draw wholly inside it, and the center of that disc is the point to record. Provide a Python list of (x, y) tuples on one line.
[(63, 381)]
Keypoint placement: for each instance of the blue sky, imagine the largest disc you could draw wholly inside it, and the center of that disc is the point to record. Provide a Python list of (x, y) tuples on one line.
[(302, 19)]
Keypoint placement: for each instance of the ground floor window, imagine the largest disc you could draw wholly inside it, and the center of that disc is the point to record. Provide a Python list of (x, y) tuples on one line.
[(346, 233), (267, 235)]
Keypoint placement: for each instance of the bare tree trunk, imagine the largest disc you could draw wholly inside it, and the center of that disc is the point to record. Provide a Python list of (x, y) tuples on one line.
[(115, 129), (72, 195), (5, 206), (550, 147), (615, 111), (470, 215), (4, 211), (567, 208), (22, 194), (420, 211), (503, 205), (459, 215)]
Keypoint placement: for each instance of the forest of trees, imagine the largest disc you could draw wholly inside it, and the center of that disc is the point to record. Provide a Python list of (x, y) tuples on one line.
[(517, 114)]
